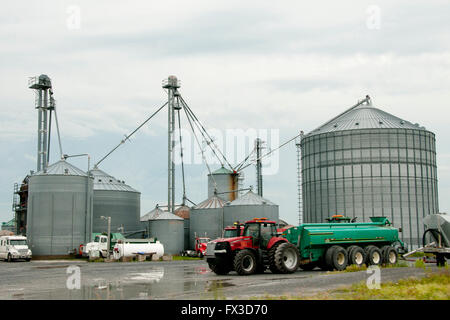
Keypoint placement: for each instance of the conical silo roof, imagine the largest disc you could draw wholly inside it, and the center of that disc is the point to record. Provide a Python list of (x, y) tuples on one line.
[(158, 214), (183, 212), (213, 202), (251, 198), (62, 167), (222, 170), (104, 181), (364, 116)]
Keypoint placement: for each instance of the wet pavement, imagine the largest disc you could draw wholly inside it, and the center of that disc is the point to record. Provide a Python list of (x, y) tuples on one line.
[(164, 280)]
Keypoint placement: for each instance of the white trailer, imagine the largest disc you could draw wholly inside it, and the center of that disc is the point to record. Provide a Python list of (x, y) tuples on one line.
[(14, 248)]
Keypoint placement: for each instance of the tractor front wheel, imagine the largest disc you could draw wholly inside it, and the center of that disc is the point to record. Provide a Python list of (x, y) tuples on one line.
[(287, 258), (245, 262), (219, 266)]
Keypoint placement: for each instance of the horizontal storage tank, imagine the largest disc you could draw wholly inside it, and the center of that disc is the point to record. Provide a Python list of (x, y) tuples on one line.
[(59, 215), (206, 218), (366, 162), (250, 206), (226, 182), (165, 227), (184, 212), (113, 198)]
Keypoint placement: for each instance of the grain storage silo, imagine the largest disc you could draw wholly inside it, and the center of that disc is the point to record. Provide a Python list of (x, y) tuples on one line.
[(224, 182), (250, 206), (206, 219), (165, 227), (59, 215), (113, 198), (183, 211), (366, 162)]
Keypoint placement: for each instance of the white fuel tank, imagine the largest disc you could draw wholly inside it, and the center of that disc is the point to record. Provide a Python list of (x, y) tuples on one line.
[(132, 249)]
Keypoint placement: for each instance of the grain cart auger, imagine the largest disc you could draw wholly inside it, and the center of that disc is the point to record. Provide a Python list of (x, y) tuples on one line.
[(259, 247)]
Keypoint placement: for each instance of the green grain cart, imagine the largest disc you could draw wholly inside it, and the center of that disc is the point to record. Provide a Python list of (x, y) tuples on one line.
[(342, 242)]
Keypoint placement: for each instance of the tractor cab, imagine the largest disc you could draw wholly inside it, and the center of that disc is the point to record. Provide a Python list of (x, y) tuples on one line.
[(233, 231), (261, 230)]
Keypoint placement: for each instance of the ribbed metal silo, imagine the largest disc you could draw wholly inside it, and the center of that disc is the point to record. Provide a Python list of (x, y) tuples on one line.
[(184, 212), (113, 198), (250, 206), (59, 215), (226, 182), (165, 227), (206, 218), (366, 162)]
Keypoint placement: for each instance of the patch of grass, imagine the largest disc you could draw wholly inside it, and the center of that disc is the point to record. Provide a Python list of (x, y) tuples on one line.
[(434, 286), (420, 264), (97, 260), (185, 258), (421, 254)]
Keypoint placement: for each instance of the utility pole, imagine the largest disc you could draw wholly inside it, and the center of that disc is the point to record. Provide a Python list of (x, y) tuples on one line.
[(259, 182), (298, 144), (108, 244)]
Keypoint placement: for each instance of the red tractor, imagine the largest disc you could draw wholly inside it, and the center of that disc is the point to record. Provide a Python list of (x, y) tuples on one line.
[(233, 231), (256, 249)]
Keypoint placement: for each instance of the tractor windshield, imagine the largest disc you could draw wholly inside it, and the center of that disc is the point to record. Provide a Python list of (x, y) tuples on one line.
[(230, 233), (252, 229)]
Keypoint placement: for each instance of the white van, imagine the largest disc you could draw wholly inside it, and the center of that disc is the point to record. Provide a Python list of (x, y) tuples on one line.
[(14, 247)]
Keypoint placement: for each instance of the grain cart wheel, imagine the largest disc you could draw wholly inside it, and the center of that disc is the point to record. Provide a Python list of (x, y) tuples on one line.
[(389, 254), (336, 257), (356, 256), (287, 258), (245, 262), (374, 256), (219, 266)]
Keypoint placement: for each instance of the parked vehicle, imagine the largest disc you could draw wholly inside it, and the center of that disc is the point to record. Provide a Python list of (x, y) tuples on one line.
[(14, 248), (342, 242), (256, 249), (330, 246), (235, 230)]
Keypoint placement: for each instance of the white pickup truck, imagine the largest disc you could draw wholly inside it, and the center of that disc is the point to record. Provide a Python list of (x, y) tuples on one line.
[(14, 248)]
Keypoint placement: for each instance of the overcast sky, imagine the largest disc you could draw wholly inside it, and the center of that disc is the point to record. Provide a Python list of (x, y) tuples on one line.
[(281, 66)]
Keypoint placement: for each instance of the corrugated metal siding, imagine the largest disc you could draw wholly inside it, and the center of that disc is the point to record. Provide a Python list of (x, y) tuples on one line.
[(371, 172)]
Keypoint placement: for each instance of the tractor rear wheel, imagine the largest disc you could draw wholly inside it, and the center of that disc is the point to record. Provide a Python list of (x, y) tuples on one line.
[(287, 258), (374, 256), (336, 257), (390, 255), (245, 262), (356, 256), (271, 255)]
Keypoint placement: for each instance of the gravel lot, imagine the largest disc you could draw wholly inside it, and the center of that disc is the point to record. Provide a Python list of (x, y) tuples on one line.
[(166, 280)]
